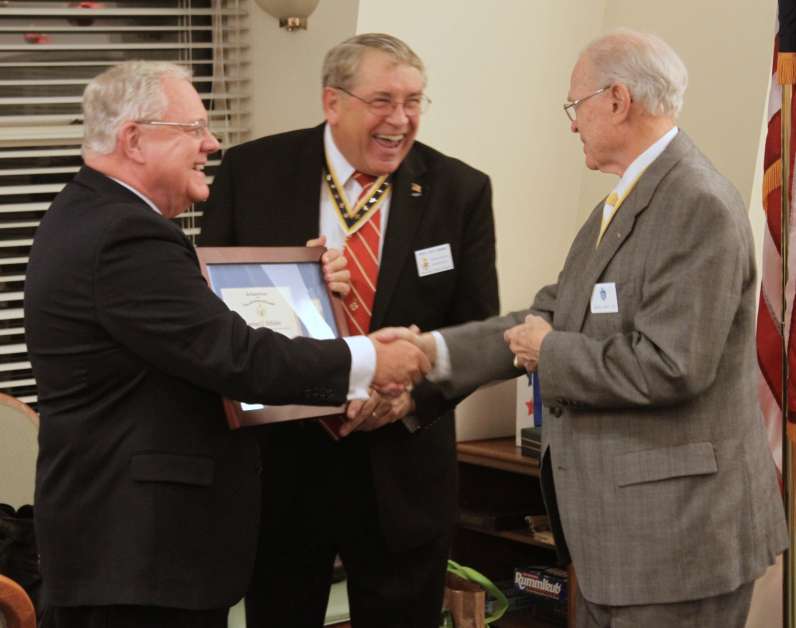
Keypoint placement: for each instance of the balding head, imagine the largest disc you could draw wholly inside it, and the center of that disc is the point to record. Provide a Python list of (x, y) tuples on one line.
[(651, 70)]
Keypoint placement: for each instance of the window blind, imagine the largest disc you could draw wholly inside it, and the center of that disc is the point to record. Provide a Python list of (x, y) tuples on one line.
[(48, 53)]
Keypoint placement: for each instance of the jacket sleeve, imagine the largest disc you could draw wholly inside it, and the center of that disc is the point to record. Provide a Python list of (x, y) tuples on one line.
[(151, 297)]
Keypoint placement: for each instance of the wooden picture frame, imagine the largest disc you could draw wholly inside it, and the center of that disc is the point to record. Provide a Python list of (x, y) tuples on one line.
[(281, 288)]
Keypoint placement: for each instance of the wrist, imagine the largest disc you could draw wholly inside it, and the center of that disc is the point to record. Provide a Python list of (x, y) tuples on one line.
[(428, 346)]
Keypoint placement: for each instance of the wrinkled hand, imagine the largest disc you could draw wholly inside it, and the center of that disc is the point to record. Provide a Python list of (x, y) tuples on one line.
[(399, 364), (525, 341), (335, 273), (425, 342), (375, 412)]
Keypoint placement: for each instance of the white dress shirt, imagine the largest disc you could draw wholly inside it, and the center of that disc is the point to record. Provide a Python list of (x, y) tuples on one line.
[(330, 221)]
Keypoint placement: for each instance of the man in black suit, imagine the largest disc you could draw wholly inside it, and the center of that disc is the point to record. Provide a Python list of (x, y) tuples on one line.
[(384, 498), (146, 503)]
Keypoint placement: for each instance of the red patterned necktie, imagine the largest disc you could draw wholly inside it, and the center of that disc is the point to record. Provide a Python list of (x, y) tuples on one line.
[(362, 252)]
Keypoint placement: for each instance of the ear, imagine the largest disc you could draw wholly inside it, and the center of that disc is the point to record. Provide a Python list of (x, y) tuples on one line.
[(331, 105), (128, 142), (621, 102)]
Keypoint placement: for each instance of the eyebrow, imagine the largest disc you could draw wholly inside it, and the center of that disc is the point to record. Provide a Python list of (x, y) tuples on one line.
[(389, 94)]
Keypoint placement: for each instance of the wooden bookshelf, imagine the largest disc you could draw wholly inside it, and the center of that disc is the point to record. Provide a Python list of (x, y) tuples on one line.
[(497, 453), (496, 477)]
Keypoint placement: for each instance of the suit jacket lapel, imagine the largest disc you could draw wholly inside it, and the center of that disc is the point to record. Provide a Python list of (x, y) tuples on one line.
[(106, 186), (405, 213), (621, 226), (304, 191)]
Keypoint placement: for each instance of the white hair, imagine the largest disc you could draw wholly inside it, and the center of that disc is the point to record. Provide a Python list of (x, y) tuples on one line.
[(652, 71), (129, 91)]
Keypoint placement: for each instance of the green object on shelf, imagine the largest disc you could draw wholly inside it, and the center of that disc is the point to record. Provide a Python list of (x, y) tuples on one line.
[(468, 573)]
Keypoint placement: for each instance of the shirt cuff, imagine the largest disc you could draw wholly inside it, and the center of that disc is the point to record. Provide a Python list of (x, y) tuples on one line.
[(442, 366), (363, 366)]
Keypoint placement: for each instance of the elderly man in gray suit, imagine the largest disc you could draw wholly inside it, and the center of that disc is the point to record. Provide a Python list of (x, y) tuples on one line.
[(656, 471)]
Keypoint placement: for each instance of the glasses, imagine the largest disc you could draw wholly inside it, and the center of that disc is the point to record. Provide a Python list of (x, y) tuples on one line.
[(384, 105), (197, 128), (570, 108)]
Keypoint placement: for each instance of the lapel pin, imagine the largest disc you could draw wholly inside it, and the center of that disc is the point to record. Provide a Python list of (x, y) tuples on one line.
[(416, 189)]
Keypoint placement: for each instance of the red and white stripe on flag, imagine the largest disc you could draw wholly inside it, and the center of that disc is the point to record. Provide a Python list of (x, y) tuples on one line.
[(769, 343)]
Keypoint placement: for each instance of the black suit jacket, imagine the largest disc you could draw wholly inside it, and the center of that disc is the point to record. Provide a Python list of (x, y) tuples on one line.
[(143, 495), (267, 192)]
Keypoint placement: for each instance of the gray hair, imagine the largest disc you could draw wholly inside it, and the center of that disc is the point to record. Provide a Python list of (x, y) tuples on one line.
[(342, 62), (129, 91), (652, 71)]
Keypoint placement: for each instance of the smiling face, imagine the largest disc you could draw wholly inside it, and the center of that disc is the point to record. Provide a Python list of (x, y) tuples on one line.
[(174, 157), (374, 143)]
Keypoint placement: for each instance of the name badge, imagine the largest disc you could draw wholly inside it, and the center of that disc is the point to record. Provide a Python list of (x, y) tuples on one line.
[(435, 259), (603, 299)]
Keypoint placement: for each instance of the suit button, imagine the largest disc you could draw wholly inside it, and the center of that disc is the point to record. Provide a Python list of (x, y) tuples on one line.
[(556, 411)]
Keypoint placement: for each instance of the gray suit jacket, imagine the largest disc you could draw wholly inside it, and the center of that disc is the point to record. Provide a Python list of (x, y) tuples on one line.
[(665, 487)]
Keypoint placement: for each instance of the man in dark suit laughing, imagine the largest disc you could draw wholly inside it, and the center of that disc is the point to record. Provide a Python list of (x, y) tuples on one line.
[(417, 229)]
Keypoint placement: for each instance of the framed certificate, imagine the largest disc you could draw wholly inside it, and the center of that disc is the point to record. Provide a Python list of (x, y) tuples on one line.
[(281, 288)]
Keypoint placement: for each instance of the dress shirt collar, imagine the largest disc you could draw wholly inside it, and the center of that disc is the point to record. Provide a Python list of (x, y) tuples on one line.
[(138, 194), (339, 164), (641, 162)]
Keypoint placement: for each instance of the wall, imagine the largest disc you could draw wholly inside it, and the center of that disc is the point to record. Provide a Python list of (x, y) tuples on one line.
[(726, 45), (497, 79), (767, 601), (498, 73), (286, 76)]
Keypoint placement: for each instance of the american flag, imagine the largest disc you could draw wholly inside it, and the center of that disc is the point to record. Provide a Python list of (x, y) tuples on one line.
[(770, 315)]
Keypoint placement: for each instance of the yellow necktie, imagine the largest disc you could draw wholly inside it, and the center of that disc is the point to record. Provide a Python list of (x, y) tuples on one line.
[(613, 202)]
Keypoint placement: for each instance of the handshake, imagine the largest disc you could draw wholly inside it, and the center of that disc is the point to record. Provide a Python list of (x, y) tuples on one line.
[(404, 357)]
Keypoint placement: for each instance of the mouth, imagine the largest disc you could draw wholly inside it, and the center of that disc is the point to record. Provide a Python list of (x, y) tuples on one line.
[(389, 141), (199, 167)]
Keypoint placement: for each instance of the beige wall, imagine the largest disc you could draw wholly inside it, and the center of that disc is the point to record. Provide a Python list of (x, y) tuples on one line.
[(497, 79), (726, 45), (286, 67), (498, 72), (767, 602)]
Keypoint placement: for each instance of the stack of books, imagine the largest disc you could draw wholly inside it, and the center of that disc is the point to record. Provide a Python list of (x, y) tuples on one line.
[(531, 442)]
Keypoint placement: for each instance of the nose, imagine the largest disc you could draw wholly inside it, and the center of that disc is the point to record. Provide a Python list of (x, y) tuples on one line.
[(398, 115), (573, 126), (210, 143)]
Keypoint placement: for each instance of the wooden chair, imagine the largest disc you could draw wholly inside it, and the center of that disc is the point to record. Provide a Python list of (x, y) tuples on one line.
[(16, 609)]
